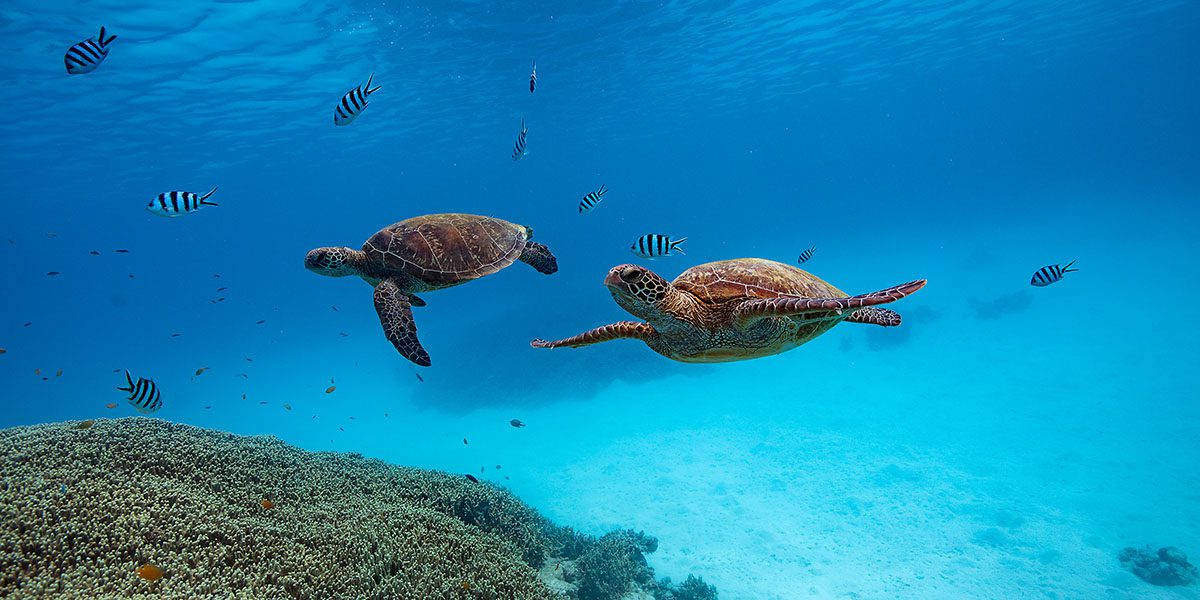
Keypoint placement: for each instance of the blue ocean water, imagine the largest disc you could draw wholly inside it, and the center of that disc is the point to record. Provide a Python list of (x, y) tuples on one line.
[(1005, 442)]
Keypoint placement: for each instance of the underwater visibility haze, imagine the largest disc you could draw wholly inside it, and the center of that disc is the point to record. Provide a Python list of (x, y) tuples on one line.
[(950, 358)]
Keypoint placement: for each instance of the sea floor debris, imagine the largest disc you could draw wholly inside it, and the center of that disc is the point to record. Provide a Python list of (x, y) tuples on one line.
[(1166, 567)]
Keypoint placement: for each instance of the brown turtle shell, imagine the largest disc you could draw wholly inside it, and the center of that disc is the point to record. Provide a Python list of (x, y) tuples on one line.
[(745, 278), (447, 249)]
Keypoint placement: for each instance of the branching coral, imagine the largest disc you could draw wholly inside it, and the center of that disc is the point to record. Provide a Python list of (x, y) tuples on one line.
[(81, 509), (613, 564)]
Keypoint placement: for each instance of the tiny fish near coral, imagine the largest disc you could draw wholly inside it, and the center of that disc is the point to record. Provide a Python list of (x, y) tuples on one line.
[(267, 504), (150, 572)]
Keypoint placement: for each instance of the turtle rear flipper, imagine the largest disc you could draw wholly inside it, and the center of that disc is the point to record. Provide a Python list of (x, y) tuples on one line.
[(539, 257), (788, 306), (875, 316), (395, 315)]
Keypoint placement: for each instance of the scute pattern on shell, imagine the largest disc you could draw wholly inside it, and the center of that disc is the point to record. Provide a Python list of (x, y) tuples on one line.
[(447, 249), (742, 278)]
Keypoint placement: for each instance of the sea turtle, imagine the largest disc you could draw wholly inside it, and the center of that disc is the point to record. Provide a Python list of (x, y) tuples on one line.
[(428, 253), (732, 310)]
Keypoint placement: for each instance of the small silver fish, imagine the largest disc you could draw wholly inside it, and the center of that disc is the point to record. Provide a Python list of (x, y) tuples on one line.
[(143, 395), (1050, 274), (653, 245), (807, 254), (353, 103), (590, 201), (174, 204), (519, 147), (85, 56)]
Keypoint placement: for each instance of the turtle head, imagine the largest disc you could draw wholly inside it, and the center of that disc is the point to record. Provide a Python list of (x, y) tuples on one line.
[(638, 290), (333, 262)]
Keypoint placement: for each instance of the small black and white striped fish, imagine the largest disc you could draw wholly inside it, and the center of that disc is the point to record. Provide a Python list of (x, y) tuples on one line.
[(1050, 274), (591, 200), (519, 147), (807, 254), (533, 77), (174, 204), (85, 56), (653, 245), (143, 395), (353, 103)]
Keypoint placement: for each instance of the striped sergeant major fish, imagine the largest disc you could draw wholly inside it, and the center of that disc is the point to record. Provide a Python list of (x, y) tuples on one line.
[(143, 394), (591, 200), (807, 254), (174, 204), (653, 245), (85, 56), (519, 147), (533, 77), (1050, 274), (353, 103)]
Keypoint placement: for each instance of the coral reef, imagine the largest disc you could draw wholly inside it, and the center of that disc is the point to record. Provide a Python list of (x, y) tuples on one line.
[(83, 510), (612, 565), (1168, 566), (693, 588)]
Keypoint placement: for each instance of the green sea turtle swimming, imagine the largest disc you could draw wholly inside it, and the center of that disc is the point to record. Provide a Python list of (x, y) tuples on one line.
[(428, 253), (732, 310)]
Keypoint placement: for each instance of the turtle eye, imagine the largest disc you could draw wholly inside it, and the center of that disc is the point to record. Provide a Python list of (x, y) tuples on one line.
[(631, 274)]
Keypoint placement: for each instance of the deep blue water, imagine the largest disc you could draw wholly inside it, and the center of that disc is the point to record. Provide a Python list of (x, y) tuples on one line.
[(1005, 442)]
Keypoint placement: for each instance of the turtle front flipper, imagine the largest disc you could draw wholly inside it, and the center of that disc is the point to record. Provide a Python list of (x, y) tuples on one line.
[(539, 257), (788, 306), (615, 331), (875, 316), (395, 314)]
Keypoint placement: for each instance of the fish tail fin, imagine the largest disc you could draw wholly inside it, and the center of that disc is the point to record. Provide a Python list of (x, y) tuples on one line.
[(1068, 269), (368, 88), (602, 189), (130, 380), (103, 41), (204, 198), (675, 246)]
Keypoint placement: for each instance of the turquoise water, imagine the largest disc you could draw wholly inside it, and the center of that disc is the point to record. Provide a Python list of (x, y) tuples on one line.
[(1005, 442)]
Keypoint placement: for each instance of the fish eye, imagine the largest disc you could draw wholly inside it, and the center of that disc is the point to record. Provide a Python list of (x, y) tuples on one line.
[(631, 274)]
